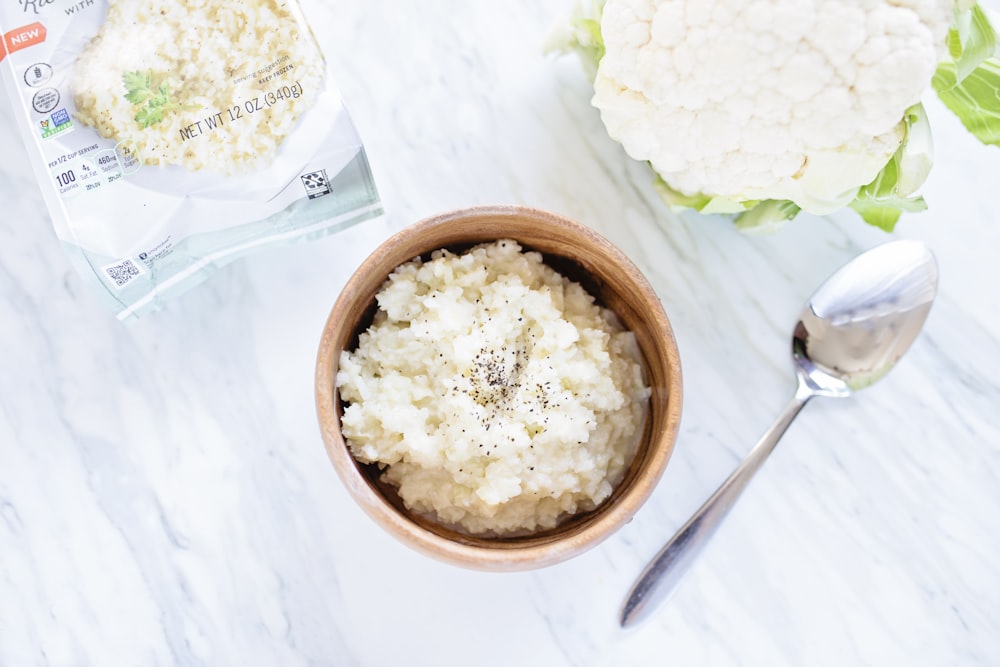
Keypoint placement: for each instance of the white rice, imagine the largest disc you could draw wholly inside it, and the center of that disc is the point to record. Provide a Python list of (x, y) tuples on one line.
[(244, 71), (497, 396)]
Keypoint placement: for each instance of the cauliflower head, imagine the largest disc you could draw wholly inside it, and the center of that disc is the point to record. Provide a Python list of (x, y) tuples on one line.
[(785, 99), (777, 105)]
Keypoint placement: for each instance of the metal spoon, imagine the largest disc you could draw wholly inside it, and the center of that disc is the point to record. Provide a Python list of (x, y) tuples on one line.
[(850, 334)]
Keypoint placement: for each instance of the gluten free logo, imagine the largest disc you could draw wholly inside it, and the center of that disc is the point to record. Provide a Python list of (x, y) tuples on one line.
[(38, 74)]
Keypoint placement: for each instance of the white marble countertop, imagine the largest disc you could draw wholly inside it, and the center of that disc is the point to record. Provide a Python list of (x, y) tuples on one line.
[(165, 497)]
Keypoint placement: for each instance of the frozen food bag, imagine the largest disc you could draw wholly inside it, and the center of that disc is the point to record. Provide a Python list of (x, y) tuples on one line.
[(172, 136)]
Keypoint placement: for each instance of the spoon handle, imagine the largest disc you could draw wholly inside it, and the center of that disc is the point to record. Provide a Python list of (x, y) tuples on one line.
[(661, 576)]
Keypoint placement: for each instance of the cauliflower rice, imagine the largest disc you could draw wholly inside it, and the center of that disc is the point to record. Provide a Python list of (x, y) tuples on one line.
[(494, 393), (238, 74)]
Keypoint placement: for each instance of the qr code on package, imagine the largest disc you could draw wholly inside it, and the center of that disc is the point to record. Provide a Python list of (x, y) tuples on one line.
[(122, 273)]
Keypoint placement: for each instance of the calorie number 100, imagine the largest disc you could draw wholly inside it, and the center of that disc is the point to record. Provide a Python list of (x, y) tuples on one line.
[(66, 178)]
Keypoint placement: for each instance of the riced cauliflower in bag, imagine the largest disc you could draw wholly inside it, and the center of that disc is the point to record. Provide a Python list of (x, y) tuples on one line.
[(171, 136)]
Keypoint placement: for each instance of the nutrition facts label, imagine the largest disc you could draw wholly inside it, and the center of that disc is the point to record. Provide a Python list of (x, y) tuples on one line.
[(92, 167)]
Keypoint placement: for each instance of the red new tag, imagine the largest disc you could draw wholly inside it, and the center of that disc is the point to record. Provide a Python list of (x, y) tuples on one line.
[(22, 38)]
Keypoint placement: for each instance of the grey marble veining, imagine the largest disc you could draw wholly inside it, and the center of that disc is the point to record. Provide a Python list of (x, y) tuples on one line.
[(165, 498)]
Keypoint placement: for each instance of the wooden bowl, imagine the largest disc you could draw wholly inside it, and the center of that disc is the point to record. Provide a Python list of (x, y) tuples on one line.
[(581, 255)]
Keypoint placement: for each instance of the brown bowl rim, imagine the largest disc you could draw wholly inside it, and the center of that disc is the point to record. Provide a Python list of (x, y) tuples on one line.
[(545, 548)]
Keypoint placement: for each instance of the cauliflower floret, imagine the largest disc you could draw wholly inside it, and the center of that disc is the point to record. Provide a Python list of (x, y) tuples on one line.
[(797, 100)]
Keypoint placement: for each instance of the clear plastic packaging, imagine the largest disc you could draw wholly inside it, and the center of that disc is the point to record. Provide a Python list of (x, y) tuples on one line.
[(172, 137)]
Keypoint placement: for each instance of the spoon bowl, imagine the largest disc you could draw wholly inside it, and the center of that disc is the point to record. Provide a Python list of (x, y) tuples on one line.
[(864, 317), (852, 332)]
